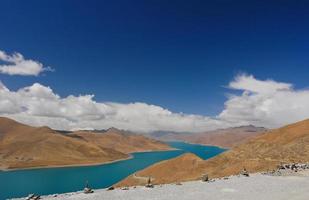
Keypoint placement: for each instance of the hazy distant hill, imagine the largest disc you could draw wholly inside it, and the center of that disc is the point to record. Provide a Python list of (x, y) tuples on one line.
[(264, 152), (221, 137), (122, 141), (23, 146)]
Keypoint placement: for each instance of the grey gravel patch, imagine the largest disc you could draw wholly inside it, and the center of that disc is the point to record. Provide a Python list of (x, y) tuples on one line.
[(255, 187)]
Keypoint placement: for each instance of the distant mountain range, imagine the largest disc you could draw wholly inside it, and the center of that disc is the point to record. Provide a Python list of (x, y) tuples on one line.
[(122, 141), (289, 144), (23, 146), (222, 137)]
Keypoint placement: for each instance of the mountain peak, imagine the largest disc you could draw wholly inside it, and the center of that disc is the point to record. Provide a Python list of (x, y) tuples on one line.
[(113, 129)]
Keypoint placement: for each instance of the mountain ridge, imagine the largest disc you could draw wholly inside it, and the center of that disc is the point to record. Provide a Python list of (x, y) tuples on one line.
[(23, 146), (225, 138)]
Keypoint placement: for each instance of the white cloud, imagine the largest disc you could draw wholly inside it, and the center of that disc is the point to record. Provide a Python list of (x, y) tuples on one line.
[(263, 103), (18, 65), (39, 105), (249, 83)]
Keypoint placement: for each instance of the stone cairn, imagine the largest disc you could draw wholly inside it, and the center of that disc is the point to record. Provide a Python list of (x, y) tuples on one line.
[(87, 189), (205, 178), (149, 184), (244, 172)]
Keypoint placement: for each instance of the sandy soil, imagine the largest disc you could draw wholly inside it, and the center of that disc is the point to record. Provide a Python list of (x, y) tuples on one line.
[(255, 187)]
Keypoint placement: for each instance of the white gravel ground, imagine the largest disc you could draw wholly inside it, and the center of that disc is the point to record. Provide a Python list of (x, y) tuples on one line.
[(255, 187)]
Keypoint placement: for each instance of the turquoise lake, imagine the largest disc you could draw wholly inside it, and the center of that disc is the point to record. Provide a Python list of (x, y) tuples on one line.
[(20, 183)]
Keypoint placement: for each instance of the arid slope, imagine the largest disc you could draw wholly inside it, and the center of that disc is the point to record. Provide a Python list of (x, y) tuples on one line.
[(23, 146), (182, 168), (264, 152), (284, 145)]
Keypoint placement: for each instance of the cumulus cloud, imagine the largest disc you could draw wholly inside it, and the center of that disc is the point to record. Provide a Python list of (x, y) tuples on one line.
[(16, 64), (39, 105), (263, 103), (249, 83)]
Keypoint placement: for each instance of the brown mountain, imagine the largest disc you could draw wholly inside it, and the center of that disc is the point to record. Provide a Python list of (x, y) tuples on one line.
[(122, 141), (284, 145), (23, 146), (222, 137), (264, 152)]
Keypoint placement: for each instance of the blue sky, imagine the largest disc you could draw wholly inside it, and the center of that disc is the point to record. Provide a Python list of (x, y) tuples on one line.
[(178, 55)]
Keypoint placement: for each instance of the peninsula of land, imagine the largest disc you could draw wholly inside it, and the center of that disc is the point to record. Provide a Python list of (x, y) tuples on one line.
[(23, 146)]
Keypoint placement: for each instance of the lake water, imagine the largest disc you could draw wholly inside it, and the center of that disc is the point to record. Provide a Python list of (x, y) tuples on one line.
[(69, 179)]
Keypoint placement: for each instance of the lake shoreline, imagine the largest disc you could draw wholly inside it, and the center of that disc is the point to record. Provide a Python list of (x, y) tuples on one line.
[(63, 179), (205, 145), (64, 166), (2, 169), (82, 165)]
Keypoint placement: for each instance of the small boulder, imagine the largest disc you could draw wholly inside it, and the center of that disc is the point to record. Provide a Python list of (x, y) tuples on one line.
[(281, 166), (111, 188), (88, 190), (29, 196), (33, 197), (149, 186)]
